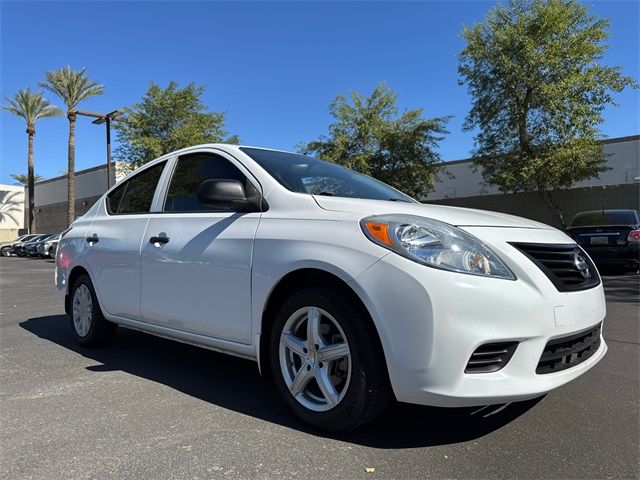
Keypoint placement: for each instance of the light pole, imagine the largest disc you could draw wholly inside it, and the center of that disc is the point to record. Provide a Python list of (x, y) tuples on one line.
[(105, 118)]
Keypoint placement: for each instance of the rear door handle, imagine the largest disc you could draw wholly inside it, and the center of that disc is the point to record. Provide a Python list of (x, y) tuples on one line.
[(159, 239), (93, 239)]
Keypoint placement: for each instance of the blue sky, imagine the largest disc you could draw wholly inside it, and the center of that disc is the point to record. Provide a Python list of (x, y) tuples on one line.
[(272, 67)]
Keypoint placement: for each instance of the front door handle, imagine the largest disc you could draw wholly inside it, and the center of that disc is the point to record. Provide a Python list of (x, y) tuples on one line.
[(93, 239), (160, 239)]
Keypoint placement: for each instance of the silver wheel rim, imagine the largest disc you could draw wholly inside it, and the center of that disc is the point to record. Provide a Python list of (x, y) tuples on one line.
[(315, 359), (82, 310)]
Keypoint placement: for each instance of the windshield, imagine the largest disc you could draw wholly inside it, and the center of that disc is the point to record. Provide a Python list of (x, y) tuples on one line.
[(303, 174), (605, 217)]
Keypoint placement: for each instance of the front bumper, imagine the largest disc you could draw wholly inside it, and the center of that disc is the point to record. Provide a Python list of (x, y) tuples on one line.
[(431, 321)]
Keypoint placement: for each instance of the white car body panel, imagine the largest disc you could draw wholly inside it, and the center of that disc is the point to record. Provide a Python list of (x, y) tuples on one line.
[(211, 283), (200, 282)]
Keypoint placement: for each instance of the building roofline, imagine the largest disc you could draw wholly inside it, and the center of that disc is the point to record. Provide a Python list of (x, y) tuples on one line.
[(77, 173), (628, 138), (606, 141)]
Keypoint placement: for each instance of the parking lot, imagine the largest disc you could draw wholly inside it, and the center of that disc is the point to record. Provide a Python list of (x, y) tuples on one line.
[(146, 407)]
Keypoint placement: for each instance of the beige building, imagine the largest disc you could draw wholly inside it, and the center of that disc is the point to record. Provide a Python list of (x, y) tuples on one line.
[(461, 184), (12, 212)]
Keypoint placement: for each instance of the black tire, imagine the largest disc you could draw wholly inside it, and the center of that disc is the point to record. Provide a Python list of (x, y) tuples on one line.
[(5, 251), (368, 392), (101, 331)]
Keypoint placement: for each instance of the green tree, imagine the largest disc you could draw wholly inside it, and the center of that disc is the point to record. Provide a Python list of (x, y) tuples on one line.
[(72, 86), (23, 179), (30, 107), (369, 136), (533, 69), (167, 119)]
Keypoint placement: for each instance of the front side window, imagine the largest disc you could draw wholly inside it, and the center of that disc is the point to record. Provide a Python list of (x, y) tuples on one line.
[(193, 169), (136, 194)]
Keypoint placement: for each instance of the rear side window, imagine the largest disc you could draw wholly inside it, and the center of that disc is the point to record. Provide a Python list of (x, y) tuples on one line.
[(605, 217), (136, 194), (193, 169)]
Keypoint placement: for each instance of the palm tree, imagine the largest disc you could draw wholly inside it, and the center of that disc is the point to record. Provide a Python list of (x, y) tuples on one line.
[(72, 87), (31, 107), (23, 179)]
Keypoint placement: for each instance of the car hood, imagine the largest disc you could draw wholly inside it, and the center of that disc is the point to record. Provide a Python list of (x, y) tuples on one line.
[(461, 217)]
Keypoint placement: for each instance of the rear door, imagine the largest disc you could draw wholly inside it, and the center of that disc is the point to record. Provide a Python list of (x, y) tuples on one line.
[(113, 242), (198, 278)]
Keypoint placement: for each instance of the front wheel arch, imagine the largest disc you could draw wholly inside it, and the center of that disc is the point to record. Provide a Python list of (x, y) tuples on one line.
[(298, 280)]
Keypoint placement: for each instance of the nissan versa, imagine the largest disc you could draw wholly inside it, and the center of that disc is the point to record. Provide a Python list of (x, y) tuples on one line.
[(345, 290)]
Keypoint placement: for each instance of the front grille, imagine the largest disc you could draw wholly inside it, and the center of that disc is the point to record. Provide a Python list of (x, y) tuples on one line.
[(490, 357), (566, 265), (567, 352)]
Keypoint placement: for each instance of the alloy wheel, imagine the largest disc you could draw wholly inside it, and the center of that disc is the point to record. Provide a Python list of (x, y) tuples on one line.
[(315, 359), (82, 310)]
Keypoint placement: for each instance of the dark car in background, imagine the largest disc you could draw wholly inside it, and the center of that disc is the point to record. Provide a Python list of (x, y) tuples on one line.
[(28, 248), (8, 249), (610, 237)]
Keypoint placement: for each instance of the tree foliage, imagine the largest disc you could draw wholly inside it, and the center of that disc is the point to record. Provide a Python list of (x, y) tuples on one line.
[(369, 136), (538, 88), (72, 86), (31, 107), (167, 119), (23, 179)]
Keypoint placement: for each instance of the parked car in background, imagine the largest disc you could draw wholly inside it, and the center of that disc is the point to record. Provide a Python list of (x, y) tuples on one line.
[(347, 291), (47, 247), (610, 237), (28, 248), (8, 249)]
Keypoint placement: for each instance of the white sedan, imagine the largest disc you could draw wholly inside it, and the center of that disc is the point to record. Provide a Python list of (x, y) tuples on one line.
[(346, 291)]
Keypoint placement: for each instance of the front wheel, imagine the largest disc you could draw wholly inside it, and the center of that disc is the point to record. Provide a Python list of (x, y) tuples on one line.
[(326, 361), (5, 251), (88, 324)]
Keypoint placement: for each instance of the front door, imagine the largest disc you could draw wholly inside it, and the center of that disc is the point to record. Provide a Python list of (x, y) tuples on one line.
[(196, 260)]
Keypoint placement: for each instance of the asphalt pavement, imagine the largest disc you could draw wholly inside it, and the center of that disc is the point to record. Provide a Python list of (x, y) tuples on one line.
[(146, 407)]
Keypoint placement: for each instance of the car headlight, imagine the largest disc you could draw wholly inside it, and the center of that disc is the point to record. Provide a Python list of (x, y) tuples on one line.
[(435, 244)]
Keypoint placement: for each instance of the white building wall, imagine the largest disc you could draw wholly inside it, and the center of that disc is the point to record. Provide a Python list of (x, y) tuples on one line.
[(88, 183), (461, 179)]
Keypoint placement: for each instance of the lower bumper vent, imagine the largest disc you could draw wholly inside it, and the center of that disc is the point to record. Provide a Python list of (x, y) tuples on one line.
[(566, 352), (490, 357)]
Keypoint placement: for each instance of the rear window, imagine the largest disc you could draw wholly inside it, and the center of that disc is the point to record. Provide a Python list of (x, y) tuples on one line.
[(605, 217), (136, 194)]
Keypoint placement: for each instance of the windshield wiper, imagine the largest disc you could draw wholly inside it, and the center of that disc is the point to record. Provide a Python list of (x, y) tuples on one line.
[(326, 194)]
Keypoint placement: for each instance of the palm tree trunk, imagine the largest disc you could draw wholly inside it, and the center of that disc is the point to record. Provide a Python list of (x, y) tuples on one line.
[(71, 192), (30, 181)]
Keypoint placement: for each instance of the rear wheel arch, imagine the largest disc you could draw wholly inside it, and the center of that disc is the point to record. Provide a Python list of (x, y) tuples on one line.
[(297, 280), (73, 275)]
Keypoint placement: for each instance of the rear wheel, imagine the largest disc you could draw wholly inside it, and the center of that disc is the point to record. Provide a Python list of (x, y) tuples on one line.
[(87, 321), (326, 361)]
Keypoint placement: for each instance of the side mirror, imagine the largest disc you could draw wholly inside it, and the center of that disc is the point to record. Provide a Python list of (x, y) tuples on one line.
[(224, 194)]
